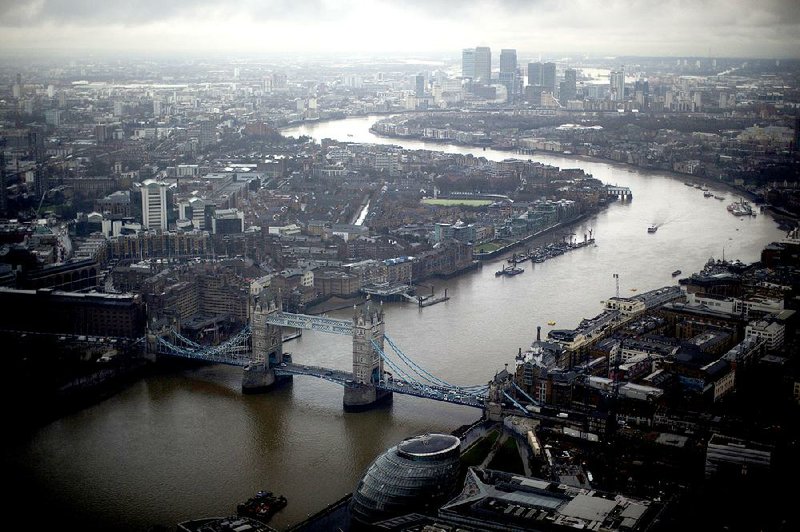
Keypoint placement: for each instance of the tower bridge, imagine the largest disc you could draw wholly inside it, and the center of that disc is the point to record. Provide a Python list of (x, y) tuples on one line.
[(258, 349)]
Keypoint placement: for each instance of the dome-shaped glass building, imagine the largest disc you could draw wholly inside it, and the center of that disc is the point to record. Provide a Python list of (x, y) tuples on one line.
[(417, 475)]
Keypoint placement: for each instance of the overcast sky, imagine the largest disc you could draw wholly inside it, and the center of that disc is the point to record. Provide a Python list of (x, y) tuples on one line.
[(749, 28)]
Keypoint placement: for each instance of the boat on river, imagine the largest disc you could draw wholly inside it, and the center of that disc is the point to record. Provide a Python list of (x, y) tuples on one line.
[(740, 208), (511, 270), (676, 273), (652, 229), (261, 507)]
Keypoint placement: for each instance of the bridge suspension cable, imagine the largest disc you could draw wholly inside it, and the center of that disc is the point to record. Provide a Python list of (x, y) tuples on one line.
[(417, 368), (425, 379), (185, 340), (392, 365), (520, 390), (426, 375), (515, 403), (234, 351)]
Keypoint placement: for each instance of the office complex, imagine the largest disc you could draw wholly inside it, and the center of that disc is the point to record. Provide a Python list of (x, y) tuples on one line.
[(483, 64), (468, 63), (617, 80), (569, 89), (549, 77), (534, 73), (419, 85), (508, 70)]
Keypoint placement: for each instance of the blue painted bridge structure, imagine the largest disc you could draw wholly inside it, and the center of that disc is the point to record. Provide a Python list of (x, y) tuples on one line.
[(377, 373)]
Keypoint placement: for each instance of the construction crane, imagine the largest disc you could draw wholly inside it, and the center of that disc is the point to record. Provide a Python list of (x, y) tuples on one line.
[(41, 200)]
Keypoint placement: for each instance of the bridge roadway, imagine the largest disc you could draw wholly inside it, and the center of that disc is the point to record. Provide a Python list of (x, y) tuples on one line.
[(73, 337), (446, 395), (333, 375), (315, 323), (344, 378)]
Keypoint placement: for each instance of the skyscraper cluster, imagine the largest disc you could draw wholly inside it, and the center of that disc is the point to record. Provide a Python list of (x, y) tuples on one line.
[(541, 78), (508, 71), (476, 64)]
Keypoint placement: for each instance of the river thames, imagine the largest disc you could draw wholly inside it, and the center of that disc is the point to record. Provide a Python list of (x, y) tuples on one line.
[(188, 444)]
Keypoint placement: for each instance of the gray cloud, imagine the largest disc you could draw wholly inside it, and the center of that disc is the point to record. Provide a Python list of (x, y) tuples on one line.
[(138, 12), (656, 27)]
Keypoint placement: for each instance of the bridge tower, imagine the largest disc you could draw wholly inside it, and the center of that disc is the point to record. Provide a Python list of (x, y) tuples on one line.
[(267, 347), (363, 392)]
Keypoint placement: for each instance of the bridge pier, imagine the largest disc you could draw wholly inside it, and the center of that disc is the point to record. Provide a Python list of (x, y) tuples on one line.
[(493, 411), (258, 378), (368, 331), (267, 351), (360, 397)]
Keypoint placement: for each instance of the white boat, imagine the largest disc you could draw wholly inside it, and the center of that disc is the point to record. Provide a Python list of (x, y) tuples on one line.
[(740, 208)]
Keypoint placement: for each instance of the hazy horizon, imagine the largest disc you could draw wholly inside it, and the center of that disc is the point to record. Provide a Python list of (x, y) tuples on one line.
[(667, 28)]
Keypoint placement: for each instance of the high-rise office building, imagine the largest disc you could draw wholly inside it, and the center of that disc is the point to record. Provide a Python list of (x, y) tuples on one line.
[(641, 93), (154, 204), (549, 77), (419, 85), (3, 186), (534, 74), (483, 64), (508, 71), (797, 134), (468, 63), (16, 89), (617, 80), (569, 90), (40, 176)]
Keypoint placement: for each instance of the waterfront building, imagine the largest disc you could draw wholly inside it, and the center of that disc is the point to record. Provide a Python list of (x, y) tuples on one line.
[(458, 231), (416, 475), (55, 312), (334, 282)]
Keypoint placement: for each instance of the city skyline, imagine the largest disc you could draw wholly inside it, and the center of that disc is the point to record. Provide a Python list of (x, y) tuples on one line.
[(670, 28)]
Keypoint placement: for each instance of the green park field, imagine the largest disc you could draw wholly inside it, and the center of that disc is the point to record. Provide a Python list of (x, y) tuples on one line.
[(450, 202)]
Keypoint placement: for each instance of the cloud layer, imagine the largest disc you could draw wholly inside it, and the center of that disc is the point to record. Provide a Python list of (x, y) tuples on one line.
[(766, 28)]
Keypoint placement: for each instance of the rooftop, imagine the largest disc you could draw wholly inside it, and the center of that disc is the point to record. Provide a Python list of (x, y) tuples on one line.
[(428, 445)]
